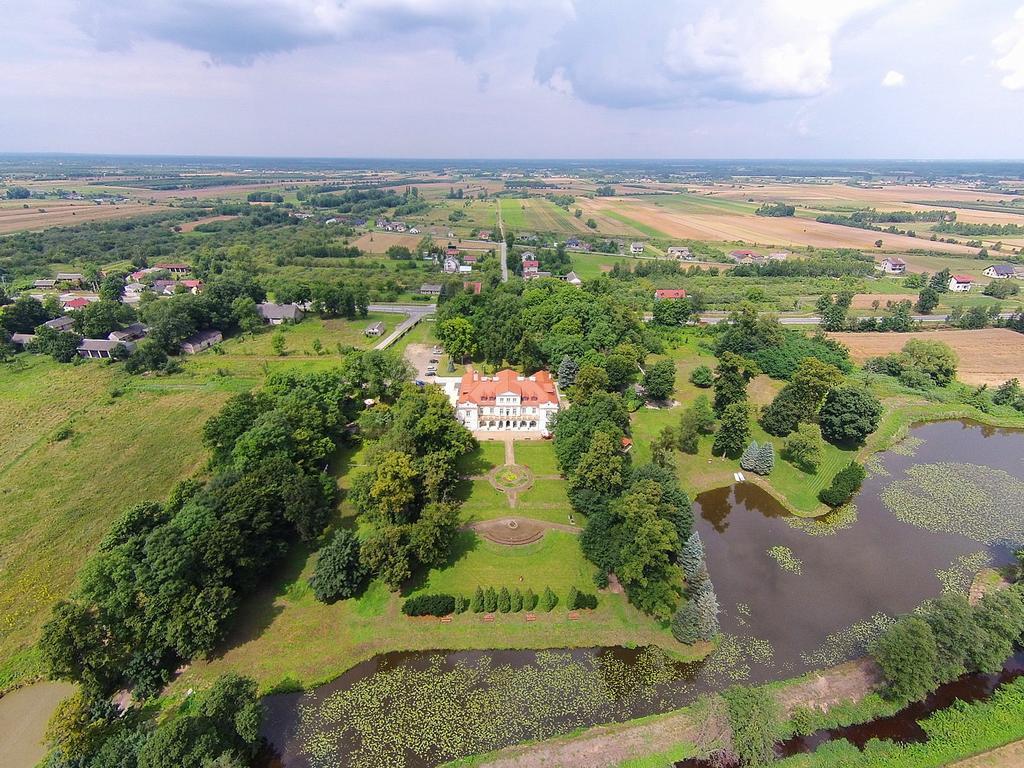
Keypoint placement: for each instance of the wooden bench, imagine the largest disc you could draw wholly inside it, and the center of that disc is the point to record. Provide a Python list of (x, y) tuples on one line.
[(446, 619), (531, 617)]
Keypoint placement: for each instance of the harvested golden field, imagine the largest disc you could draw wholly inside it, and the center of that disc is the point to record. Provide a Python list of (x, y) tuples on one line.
[(988, 356), (865, 300), (189, 226), (762, 231), (67, 214), (862, 196)]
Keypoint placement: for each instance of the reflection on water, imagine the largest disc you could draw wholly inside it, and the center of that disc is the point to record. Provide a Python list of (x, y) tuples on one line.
[(777, 623)]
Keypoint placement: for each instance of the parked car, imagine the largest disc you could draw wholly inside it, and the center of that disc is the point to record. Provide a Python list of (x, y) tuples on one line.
[(434, 360), (431, 373)]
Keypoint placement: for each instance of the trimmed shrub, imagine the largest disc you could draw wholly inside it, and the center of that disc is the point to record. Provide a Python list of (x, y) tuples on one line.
[(461, 604), (517, 600), (702, 377), (571, 598), (490, 600), (429, 605), (529, 600), (844, 485), (477, 604), (548, 600), (504, 600)]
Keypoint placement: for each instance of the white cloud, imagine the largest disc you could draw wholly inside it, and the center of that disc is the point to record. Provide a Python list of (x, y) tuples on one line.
[(1009, 47), (893, 79), (682, 51)]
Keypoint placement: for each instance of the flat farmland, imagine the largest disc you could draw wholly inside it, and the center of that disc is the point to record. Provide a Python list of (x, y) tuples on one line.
[(379, 242), (988, 356), (67, 213), (845, 194), (758, 230), (535, 214)]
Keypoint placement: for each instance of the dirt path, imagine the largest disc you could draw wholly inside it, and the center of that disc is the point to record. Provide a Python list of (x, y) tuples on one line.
[(608, 745), (510, 451), (1010, 756)]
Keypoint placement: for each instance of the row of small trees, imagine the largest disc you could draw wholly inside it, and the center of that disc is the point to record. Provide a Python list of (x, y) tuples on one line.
[(697, 616)]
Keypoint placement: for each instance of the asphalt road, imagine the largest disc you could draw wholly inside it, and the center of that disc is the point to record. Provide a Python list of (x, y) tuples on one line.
[(414, 312)]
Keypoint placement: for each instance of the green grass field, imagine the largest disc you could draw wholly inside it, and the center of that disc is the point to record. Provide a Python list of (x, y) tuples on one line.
[(59, 498), (539, 456)]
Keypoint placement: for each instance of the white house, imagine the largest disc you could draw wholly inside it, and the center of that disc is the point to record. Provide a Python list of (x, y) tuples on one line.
[(451, 265), (506, 401), (893, 265), (679, 252), (960, 283), (573, 279), (999, 272), (636, 247)]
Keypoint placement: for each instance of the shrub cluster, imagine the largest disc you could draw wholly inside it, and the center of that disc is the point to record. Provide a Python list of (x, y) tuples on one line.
[(430, 605), (844, 485), (576, 600), (511, 601)]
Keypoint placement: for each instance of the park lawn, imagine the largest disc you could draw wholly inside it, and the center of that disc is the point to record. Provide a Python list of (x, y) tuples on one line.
[(481, 500), (488, 455), (60, 498), (538, 455), (555, 561), (547, 500), (284, 636)]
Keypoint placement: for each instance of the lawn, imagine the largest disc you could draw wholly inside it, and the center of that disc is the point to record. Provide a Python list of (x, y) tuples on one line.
[(555, 561), (299, 337), (482, 501), (487, 456), (539, 456), (60, 497), (546, 500)]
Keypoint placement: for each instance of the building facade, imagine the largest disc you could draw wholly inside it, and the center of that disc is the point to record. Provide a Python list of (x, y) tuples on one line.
[(507, 401)]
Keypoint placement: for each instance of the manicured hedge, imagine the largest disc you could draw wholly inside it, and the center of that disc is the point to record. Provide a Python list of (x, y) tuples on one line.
[(429, 605)]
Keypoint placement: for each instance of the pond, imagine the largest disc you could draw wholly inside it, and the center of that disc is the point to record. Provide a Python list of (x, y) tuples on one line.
[(794, 595)]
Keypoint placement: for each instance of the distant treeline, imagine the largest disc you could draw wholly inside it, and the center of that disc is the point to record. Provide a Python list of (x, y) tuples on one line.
[(775, 210), (366, 202), (871, 219), (265, 197), (963, 228), (840, 265)]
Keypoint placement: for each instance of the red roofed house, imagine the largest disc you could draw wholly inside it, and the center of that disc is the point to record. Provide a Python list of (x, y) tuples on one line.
[(960, 283), (473, 286), (746, 257), (506, 401), (175, 269), (530, 267), (669, 293), (469, 258), (76, 303)]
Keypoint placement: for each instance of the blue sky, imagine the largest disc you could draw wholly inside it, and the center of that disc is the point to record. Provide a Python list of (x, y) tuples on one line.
[(515, 78)]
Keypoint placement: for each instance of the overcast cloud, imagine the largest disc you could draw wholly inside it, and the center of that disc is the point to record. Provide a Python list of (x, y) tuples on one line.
[(514, 78)]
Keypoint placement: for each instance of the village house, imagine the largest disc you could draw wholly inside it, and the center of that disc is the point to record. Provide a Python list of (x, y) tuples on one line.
[(484, 234), (44, 284), (62, 323), (133, 332), (102, 349), (679, 252), (746, 257), (573, 279), (960, 283), (893, 265), (999, 272), (506, 401), (470, 258), (76, 303), (376, 329), (200, 341), (473, 286), (451, 265), (430, 289), (636, 247), (575, 244), (21, 340), (277, 314), (73, 278), (669, 293), (530, 268), (174, 268), (133, 293)]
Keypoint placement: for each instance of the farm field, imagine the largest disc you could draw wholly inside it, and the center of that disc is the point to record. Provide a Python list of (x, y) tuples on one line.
[(986, 356), (62, 213), (379, 242), (662, 221), (190, 226)]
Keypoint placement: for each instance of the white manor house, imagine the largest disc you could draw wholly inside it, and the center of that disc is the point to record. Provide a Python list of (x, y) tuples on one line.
[(506, 401)]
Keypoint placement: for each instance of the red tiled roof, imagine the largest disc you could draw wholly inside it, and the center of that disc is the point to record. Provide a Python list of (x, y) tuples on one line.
[(963, 278), (530, 263), (472, 285), (744, 253), (76, 303), (670, 293), (484, 390)]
